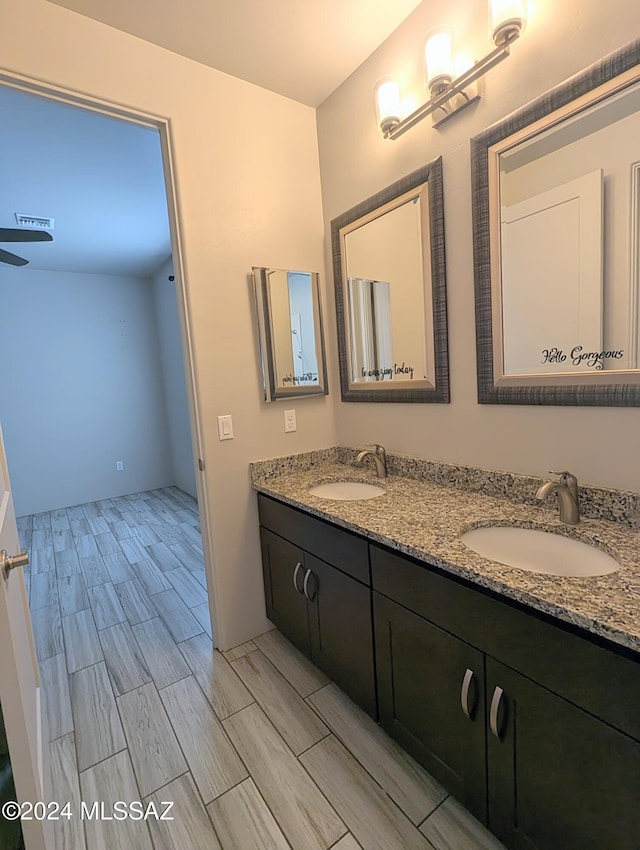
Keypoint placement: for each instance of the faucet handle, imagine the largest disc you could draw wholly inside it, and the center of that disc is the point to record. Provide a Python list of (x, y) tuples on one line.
[(568, 479), (564, 474)]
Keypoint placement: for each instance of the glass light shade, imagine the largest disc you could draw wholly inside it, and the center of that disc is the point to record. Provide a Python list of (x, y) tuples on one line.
[(387, 103), (438, 60), (508, 19)]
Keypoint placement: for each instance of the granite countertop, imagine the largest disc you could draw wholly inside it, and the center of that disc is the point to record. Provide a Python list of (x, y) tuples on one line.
[(425, 520)]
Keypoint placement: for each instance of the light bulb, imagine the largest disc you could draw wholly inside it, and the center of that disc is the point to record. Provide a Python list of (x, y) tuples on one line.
[(438, 61), (508, 19), (387, 103)]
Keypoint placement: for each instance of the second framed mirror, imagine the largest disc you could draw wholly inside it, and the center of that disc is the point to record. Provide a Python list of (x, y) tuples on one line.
[(290, 330), (389, 272)]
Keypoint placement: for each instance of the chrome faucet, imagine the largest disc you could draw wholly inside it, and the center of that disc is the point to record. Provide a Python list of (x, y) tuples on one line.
[(566, 490), (379, 458)]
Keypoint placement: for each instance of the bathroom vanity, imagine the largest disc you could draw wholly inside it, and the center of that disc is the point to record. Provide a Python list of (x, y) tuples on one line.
[(519, 693)]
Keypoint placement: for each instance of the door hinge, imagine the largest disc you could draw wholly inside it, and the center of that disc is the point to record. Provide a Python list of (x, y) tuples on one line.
[(200, 464)]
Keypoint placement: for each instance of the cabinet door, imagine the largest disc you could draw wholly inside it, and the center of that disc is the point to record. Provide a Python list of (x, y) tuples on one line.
[(342, 631), (423, 684), (286, 603), (558, 777)]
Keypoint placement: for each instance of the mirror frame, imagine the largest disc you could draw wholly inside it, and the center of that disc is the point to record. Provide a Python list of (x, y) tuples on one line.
[(616, 71), (432, 175), (272, 392)]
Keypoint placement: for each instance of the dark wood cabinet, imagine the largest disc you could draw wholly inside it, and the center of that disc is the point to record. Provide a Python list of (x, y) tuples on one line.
[(320, 606), (557, 776), (342, 632), (283, 570), (431, 699), (530, 723), (546, 764)]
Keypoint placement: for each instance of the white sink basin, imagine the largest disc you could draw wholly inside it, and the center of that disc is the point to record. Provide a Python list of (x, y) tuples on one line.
[(346, 491), (539, 551)]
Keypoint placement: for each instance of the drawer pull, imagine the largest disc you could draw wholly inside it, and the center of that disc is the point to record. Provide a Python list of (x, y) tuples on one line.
[(295, 577), (494, 713), (464, 694), (305, 586)]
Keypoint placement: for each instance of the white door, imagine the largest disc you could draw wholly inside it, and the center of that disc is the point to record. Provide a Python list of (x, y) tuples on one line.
[(20, 692), (552, 294)]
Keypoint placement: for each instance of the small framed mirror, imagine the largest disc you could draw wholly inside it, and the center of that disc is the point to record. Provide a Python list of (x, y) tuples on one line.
[(556, 216), (291, 334), (389, 274)]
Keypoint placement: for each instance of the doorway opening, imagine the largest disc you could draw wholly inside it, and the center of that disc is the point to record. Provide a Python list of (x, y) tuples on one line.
[(99, 401), (99, 411)]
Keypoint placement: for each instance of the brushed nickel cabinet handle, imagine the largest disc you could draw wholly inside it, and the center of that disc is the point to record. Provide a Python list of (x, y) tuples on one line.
[(295, 577), (305, 586), (494, 711), (464, 693)]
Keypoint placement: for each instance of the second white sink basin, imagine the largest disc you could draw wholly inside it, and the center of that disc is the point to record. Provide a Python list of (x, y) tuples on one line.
[(346, 491), (539, 551)]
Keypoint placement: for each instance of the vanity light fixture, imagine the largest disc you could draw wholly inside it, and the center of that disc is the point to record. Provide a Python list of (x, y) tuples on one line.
[(449, 95)]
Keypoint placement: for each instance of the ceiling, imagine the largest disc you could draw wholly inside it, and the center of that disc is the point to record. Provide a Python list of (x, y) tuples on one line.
[(100, 178), (303, 49)]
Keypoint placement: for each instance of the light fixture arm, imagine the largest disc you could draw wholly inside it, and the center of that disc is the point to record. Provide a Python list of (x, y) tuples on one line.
[(455, 87)]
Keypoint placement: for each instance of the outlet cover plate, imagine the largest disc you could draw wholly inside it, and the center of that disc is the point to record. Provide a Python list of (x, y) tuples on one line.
[(290, 421)]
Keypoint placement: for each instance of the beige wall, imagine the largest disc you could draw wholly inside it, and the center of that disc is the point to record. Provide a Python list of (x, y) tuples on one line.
[(598, 444), (81, 388), (248, 185)]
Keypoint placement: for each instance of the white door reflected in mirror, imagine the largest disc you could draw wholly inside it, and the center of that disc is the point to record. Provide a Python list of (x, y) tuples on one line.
[(552, 277), (566, 278)]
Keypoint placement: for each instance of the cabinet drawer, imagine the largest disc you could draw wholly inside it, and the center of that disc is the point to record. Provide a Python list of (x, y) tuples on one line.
[(601, 680), (337, 547)]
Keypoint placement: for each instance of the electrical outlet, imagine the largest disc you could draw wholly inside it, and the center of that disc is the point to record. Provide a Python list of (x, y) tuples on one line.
[(119, 465), (289, 421)]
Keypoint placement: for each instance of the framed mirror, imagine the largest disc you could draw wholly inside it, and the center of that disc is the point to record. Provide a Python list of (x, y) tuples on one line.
[(556, 218), (389, 273), (291, 335)]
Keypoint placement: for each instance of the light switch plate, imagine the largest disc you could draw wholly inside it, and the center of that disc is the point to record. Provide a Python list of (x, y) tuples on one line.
[(289, 421), (225, 427)]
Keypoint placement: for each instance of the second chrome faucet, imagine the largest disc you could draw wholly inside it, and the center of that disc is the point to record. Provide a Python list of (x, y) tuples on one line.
[(379, 458), (566, 490)]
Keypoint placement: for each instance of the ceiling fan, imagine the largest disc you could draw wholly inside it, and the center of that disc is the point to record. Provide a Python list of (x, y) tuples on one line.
[(14, 234)]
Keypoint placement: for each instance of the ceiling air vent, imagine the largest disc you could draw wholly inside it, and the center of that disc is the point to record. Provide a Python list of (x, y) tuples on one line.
[(38, 222)]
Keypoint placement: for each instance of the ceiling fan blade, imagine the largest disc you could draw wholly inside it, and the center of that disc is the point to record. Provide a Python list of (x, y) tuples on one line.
[(11, 259), (15, 234)]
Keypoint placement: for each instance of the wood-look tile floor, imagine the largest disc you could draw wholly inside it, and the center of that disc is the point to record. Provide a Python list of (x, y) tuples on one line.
[(255, 747)]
